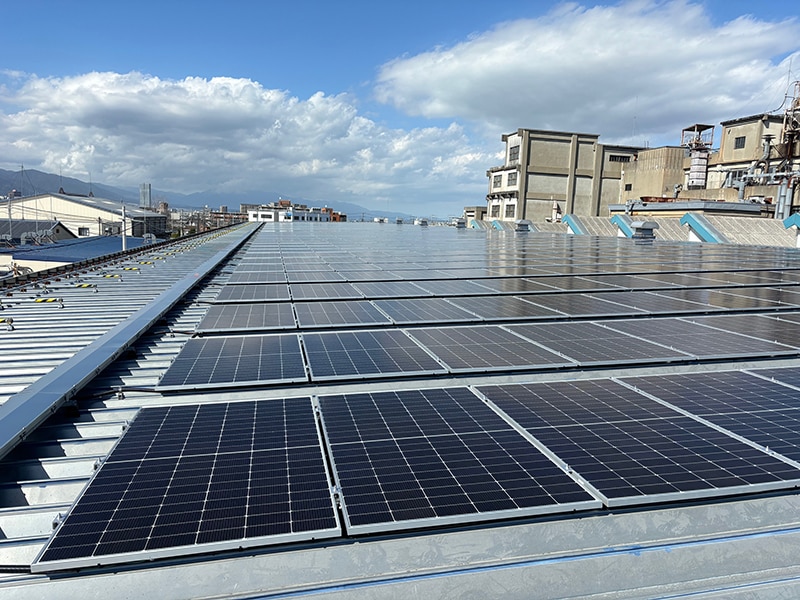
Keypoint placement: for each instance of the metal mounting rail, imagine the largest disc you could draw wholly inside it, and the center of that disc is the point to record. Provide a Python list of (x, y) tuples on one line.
[(26, 410)]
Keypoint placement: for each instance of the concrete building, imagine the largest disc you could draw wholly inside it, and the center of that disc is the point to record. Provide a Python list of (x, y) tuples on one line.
[(285, 211), (549, 173), (86, 216), (757, 161)]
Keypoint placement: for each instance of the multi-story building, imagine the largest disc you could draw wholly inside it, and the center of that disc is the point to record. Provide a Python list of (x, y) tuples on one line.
[(549, 173), (757, 161), (284, 210)]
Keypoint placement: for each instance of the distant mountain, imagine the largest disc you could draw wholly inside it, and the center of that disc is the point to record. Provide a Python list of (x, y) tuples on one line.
[(30, 182)]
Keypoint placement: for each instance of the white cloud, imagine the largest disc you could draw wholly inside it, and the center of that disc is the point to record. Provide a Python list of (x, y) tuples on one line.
[(639, 70), (233, 135), (633, 72)]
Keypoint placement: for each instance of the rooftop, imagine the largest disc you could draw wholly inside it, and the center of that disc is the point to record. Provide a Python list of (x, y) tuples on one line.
[(296, 408)]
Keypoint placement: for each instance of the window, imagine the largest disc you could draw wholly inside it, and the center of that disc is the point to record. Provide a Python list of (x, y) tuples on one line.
[(513, 154), (495, 210), (628, 187), (738, 143), (510, 211), (512, 178), (621, 158), (497, 181), (82, 231)]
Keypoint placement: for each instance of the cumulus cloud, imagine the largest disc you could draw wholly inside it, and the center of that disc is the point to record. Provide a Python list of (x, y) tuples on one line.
[(635, 72), (233, 135), (639, 70)]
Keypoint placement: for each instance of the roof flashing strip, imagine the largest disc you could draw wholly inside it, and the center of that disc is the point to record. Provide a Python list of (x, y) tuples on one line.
[(26, 410)]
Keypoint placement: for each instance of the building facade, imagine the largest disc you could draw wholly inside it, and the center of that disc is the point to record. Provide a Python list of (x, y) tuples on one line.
[(757, 161), (87, 216), (549, 173)]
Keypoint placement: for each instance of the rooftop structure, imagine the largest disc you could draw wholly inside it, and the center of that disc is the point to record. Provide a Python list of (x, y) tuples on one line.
[(282, 409)]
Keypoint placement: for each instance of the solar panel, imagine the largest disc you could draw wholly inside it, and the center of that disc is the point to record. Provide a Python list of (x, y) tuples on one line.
[(485, 348), (759, 410), (423, 458), (249, 277), (453, 287), (358, 354), (760, 326), (633, 450), (787, 375), (514, 285), (338, 314), (722, 392), (495, 308), (313, 276), (247, 317), (389, 289), (259, 266), (424, 310), (693, 338), (576, 283), (720, 299), (584, 305), (590, 343), (258, 292), (235, 360), (195, 479), (324, 291), (653, 302)]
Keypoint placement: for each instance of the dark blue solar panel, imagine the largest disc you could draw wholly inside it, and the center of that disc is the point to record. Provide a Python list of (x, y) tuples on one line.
[(634, 450), (435, 457), (236, 360), (248, 317), (387, 353), (485, 348), (193, 479)]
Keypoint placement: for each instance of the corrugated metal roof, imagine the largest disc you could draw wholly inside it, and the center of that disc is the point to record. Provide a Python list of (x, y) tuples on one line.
[(709, 549)]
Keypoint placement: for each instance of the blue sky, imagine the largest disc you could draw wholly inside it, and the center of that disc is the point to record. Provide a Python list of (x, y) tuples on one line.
[(395, 106)]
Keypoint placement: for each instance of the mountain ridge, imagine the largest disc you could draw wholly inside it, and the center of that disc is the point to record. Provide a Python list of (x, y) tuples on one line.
[(30, 182)]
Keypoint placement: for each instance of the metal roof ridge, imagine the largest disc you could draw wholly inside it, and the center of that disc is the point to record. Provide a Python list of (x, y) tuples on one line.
[(27, 409)]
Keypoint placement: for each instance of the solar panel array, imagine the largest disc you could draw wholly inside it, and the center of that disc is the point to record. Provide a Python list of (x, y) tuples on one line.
[(367, 307), (191, 479)]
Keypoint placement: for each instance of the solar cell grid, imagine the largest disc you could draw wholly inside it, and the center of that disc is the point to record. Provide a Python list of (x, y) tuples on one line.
[(425, 310), (248, 317), (378, 353), (633, 450), (390, 289), (327, 291), (720, 392), (510, 285), (787, 375), (338, 314), (238, 480), (300, 276), (764, 327), (253, 293), (494, 308), (720, 299), (457, 287), (240, 360), (585, 305), (693, 338), (420, 458), (485, 348), (248, 277), (592, 343)]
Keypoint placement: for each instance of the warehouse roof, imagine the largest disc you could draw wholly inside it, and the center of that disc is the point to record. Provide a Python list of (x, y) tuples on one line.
[(455, 409)]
